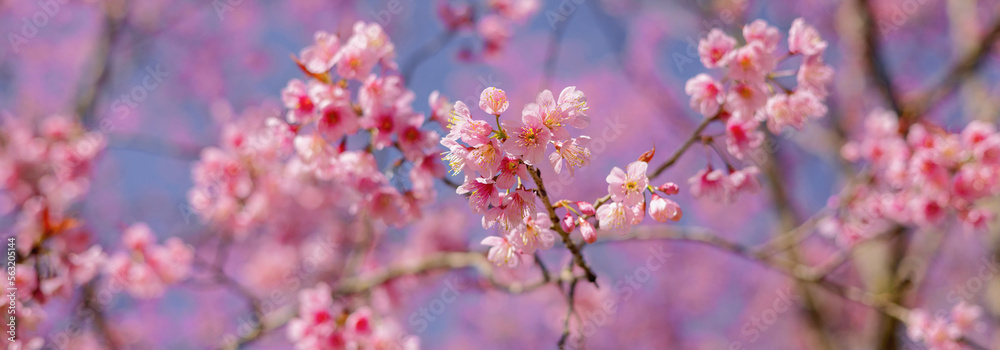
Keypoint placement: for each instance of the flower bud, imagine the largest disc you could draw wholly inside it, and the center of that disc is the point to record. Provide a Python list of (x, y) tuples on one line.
[(493, 101), (588, 231), (662, 209), (568, 223), (586, 208), (669, 188)]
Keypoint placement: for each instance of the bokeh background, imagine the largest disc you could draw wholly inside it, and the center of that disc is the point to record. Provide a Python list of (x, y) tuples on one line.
[(631, 58)]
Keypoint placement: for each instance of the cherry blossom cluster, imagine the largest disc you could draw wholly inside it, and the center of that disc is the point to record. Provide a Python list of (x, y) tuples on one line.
[(944, 333), (247, 178), (44, 169), (750, 94), (493, 24), (497, 161), (627, 190), (323, 324), (146, 268), (918, 178)]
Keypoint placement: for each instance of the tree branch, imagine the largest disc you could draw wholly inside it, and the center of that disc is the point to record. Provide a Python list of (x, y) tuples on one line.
[(573, 248)]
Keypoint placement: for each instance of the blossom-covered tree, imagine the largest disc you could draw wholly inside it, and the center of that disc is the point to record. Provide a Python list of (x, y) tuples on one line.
[(456, 174)]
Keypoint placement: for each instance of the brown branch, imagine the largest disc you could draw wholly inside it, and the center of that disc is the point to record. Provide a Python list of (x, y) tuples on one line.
[(102, 63), (573, 248), (788, 221), (91, 303), (873, 55), (695, 136), (570, 310), (436, 262), (962, 69)]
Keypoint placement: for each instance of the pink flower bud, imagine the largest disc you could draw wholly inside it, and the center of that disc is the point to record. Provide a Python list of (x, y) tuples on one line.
[(568, 223), (493, 101), (586, 208), (588, 232), (662, 209), (669, 188)]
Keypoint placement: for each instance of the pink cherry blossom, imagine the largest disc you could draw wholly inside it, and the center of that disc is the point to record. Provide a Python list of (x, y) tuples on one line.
[(493, 101), (495, 31), (528, 140), (574, 104), (301, 108), (804, 39), (742, 137), (628, 187), (714, 50), (471, 131), (457, 155), (792, 110), (502, 252), (750, 63), (487, 158), (552, 114), (337, 120), (319, 58), (482, 193), (615, 217), (355, 60), (965, 316), (535, 232), (760, 31), (744, 180), (511, 168), (814, 76), (744, 100), (662, 209), (706, 94), (712, 184), (440, 107), (574, 152)]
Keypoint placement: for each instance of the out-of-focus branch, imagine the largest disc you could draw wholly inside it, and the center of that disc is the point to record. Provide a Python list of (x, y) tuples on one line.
[(440, 261), (573, 248), (817, 276), (220, 277), (788, 221), (695, 136), (873, 56), (570, 310), (115, 14), (430, 48), (953, 78), (90, 302), (431, 263), (801, 273), (156, 146)]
